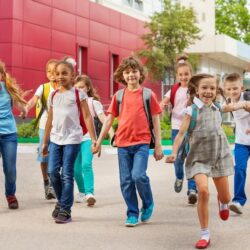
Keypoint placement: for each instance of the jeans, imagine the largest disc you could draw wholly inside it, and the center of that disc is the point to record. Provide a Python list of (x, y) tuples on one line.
[(8, 149), (83, 170), (133, 162), (242, 153), (61, 171), (179, 170)]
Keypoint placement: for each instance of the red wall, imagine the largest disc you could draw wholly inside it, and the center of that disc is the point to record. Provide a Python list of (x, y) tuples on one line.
[(34, 31)]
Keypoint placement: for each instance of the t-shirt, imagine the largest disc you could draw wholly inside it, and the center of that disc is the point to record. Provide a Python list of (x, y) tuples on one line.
[(39, 93), (66, 128), (133, 126), (180, 103), (7, 120), (98, 110), (242, 123)]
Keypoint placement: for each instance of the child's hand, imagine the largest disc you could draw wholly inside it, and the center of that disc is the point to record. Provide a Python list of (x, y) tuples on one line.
[(44, 151), (248, 131), (247, 106), (170, 158), (158, 154), (23, 113), (96, 148)]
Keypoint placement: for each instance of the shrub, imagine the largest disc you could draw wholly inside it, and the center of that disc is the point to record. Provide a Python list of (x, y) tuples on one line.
[(26, 130)]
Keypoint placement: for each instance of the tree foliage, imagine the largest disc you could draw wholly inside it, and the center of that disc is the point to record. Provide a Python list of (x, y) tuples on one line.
[(170, 33), (233, 19)]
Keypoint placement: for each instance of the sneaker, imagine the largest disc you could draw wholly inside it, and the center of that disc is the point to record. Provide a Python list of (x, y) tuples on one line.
[(56, 211), (63, 217), (236, 207), (147, 213), (80, 198), (131, 221), (192, 197), (90, 199), (202, 244), (12, 202), (49, 192), (223, 211), (178, 185)]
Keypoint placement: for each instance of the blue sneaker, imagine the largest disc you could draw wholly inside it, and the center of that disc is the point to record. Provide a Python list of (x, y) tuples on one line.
[(147, 213), (131, 221)]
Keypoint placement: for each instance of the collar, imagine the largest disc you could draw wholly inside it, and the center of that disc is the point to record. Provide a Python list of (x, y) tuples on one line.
[(200, 104)]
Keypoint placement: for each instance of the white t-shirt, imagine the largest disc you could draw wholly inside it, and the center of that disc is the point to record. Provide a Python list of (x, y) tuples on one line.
[(98, 109), (242, 123), (39, 93), (180, 103), (66, 128)]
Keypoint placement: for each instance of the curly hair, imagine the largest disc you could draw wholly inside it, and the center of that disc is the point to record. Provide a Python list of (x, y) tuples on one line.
[(129, 62), (194, 83), (13, 89), (88, 83)]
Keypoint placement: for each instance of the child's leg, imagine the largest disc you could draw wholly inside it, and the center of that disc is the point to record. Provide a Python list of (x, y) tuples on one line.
[(203, 198), (70, 152), (222, 187), (139, 175), (78, 170), (241, 158), (125, 157)]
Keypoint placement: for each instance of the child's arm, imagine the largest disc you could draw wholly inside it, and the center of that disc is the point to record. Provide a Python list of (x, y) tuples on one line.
[(158, 154), (22, 108), (88, 120), (105, 128), (102, 117), (165, 102), (233, 106), (46, 136), (179, 138)]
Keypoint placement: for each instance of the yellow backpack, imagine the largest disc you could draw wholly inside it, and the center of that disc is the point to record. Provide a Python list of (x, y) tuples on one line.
[(41, 104)]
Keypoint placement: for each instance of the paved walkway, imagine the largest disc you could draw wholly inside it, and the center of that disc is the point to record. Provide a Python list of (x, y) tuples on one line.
[(174, 224)]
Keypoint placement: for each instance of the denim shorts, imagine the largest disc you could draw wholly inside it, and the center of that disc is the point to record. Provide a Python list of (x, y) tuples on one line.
[(40, 158)]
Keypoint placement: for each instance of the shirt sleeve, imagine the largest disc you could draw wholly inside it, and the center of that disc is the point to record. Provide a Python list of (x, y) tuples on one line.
[(98, 107), (82, 95), (188, 111), (39, 91), (49, 101), (113, 107), (155, 107)]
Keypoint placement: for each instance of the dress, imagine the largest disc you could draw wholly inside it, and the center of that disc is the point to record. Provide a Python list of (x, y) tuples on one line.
[(210, 152)]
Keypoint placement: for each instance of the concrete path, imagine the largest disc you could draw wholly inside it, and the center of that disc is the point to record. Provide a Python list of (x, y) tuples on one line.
[(174, 224)]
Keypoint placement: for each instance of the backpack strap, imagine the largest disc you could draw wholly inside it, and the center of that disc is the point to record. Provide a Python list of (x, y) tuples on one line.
[(146, 94), (193, 118), (53, 95), (173, 93), (119, 97)]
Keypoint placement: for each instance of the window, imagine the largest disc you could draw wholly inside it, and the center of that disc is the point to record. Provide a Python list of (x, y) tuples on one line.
[(137, 4), (82, 60), (114, 62)]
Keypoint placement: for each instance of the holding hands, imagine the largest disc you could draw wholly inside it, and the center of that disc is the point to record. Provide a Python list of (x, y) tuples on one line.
[(170, 158)]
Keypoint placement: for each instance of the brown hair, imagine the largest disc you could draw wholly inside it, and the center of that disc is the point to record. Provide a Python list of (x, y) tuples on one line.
[(232, 77), (13, 89), (129, 62), (182, 61), (91, 90), (194, 83)]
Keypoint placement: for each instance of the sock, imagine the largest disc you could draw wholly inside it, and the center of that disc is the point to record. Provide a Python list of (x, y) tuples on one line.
[(46, 182), (223, 206), (205, 235)]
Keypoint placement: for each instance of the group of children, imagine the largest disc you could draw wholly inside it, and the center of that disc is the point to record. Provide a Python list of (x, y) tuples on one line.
[(71, 149)]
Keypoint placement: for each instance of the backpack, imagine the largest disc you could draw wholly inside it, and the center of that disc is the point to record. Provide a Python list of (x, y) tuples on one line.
[(184, 147), (146, 94), (246, 95), (82, 123), (41, 104), (174, 89)]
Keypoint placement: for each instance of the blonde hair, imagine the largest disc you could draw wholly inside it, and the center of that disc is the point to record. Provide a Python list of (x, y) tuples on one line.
[(91, 90), (13, 89), (129, 62), (182, 61), (51, 61)]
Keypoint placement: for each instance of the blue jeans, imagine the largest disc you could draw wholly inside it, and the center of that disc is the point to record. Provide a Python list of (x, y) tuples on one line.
[(61, 172), (133, 163), (241, 155), (179, 170), (8, 149)]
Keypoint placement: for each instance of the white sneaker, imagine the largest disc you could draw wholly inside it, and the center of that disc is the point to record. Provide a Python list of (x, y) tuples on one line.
[(90, 199), (236, 207), (80, 198)]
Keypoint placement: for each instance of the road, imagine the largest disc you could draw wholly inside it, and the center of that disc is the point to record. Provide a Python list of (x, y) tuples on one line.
[(174, 224)]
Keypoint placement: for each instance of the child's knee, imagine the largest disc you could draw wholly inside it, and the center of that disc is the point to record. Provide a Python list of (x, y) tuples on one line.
[(203, 193)]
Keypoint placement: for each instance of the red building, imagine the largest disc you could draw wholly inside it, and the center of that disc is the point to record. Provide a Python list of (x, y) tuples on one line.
[(34, 31)]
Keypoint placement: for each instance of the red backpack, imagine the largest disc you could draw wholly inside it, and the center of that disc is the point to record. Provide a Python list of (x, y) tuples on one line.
[(174, 89), (82, 123)]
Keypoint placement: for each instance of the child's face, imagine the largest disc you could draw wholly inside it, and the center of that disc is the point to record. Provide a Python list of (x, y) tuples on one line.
[(51, 72), (64, 76), (183, 75), (233, 89), (82, 86), (207, 90), (132, 77)]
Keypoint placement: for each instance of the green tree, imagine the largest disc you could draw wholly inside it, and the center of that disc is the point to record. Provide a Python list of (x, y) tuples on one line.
[(170, 33), (233, 19)]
